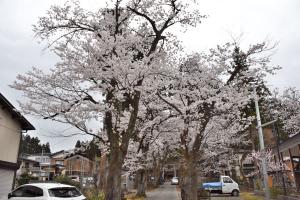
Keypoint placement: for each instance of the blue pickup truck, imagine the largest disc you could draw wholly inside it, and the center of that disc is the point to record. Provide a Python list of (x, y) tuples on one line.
[(225, 186)]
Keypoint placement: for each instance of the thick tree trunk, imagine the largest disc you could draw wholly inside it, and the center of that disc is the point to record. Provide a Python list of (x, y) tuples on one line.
[(189, 187), (113, 189), (119, 142), (157, 175), (141, 183), (102, 173)]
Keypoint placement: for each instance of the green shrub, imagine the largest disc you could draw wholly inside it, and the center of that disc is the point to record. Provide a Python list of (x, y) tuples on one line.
[(275, 191), (66, 180), (258, 184), (25, 178), (93, 194)]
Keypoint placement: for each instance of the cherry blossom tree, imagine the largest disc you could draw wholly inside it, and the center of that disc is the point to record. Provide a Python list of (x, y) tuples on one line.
[(107, 60), (285, 106), (208, 93), (267, 154), (153, 143), (151, 157)]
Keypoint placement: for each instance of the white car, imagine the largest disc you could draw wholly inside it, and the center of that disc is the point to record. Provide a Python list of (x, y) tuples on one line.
[(46, 191), (74, 178), (174, 181)]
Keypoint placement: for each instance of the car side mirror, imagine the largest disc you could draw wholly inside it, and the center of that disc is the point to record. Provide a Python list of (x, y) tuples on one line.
[(9, 195)]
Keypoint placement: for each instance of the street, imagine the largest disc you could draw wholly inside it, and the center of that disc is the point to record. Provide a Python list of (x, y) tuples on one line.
[(224, 197), (164, 192), (169, 192)]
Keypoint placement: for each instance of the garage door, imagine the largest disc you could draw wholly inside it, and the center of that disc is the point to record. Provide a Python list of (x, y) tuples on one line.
[(6, 181)]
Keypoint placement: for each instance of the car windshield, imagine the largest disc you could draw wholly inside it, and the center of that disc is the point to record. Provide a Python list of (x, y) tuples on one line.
[(64, 192), (175, 178)]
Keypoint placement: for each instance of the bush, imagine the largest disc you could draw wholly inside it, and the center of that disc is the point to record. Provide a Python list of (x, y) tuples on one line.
[(93, 194), (25, 178), (275, 191), (258, 185), (66, 180)]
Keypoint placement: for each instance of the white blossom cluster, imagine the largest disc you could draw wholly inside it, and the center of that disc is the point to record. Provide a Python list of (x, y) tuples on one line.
[(286, 108)]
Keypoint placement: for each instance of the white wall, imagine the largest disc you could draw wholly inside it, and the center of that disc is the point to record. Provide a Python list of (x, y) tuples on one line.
[(10, 133), (6, 181)]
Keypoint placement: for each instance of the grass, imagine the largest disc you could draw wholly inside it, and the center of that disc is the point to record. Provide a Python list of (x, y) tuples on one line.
[(132, 197), (250, 196)]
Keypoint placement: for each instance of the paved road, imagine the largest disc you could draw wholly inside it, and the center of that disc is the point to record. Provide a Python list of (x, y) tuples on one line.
[(164, 192), (224, 197), (169, 192)]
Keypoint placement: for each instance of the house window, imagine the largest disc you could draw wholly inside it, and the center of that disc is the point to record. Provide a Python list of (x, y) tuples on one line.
[(59, 162), (26, 165)]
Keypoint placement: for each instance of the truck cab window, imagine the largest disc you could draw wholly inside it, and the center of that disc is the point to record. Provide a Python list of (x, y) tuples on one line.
[(227, 180)]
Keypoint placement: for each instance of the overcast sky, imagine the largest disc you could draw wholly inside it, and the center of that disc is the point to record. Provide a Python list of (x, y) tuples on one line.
[(275, 20)]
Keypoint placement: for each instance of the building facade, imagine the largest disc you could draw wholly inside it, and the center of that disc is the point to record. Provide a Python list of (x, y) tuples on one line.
[(288, 152), (78, 165), (12, 124)]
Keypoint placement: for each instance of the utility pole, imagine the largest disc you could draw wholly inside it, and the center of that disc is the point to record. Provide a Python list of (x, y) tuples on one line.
[(41, 160), (49, 169), (262, 146)]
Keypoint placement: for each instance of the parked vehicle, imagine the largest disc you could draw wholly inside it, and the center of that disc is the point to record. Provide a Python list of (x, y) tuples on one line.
[(46, 191), (174, 181), (225, 186), (74, 178), (87, 181)]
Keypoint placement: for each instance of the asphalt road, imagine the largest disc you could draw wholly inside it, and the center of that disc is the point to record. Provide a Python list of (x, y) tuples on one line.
[(164, 192), (169, 192), (224, 197)]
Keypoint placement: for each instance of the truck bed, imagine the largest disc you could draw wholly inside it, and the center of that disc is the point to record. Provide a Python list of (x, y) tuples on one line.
[(212, 186)]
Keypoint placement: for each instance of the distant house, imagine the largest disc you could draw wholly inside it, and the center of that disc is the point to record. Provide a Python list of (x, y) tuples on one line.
[(77, 164), (12, 125), (57, 162), (44, 166), (43, 171), (65, 162), (27, 166)]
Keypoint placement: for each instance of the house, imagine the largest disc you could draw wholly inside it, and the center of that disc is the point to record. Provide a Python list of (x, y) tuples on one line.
[(79, 165), (12, 125), (27, 166), (44, 168), (57, 162), (47, 166), (288, 152)]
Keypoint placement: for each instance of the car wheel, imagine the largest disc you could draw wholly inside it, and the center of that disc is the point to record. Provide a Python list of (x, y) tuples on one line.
[(235, 193)]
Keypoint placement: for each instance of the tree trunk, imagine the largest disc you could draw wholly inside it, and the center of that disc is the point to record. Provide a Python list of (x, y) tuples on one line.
[(103, 173), (141, 183), (190, 185), (113, 189), (157, 175)]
